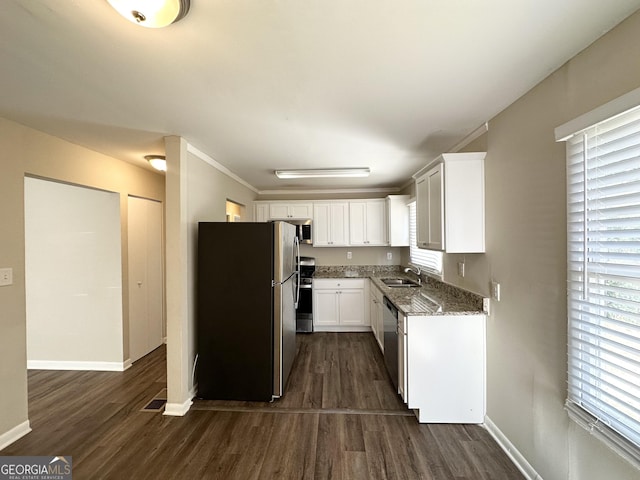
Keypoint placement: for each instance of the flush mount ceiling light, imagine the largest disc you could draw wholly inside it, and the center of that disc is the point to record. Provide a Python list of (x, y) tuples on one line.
[(151, 13), (323, 173), (158, 162)]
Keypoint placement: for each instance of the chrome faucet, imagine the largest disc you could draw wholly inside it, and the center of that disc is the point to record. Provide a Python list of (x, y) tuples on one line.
[(414, 269)]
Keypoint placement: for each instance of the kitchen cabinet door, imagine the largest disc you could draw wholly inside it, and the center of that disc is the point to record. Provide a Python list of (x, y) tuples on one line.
[(398, 220), (301, 211), (290, 211), (278, 210), (330, 224), (450, 204), (325, 307), (367, 223), (339, 304), (422, 207), (261, 212), (351, 307), (435, 211)]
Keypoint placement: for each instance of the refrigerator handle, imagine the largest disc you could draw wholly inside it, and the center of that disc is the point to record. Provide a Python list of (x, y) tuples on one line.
[(296, 242)]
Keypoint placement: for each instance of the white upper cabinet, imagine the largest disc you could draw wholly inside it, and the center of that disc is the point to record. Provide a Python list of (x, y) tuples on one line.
[(330, 224), (261, 212), (450, 204), (398, 220), (290, 211), (367, 222)]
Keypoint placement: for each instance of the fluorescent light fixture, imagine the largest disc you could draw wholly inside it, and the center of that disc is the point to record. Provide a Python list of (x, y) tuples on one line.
[(158, 162), (151, 13), (324, 173)]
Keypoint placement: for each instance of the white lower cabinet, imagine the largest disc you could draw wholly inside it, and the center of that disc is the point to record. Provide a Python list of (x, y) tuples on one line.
[(339, 304), (375, 311), (444, 361)]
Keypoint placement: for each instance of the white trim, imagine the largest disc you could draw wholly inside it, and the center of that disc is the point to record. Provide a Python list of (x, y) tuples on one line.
[(127, 364), (611, 109), (512, 452), (342, 328), (477, 133), (328, 191), (16, 433), (70, 365), (177, 409), (206, 158)]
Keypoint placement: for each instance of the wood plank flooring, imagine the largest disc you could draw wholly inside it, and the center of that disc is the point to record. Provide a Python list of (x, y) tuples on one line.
[(340, 419)]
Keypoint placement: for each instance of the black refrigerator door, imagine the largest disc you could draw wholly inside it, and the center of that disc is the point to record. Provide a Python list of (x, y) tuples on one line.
[(234, 311)]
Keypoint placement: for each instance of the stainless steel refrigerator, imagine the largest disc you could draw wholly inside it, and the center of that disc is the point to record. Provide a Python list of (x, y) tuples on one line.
[(247, 288)]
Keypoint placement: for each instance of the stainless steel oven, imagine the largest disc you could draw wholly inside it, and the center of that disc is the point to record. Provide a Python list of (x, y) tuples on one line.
[(304, 314)]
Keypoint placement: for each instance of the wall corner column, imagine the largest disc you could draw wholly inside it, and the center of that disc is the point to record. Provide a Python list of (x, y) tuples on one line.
[(179, 396)]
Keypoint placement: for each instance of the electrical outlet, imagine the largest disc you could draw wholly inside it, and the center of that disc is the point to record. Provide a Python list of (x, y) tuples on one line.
[(495, 290), (486, 305), (461, 269), (389, 256), (349, 255), (6, 276)]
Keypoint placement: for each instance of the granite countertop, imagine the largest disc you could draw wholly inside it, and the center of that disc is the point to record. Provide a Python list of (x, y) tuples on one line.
[(432, 298)]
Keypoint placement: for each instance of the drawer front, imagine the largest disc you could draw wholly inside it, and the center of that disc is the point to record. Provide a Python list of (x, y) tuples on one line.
[(337, 283)]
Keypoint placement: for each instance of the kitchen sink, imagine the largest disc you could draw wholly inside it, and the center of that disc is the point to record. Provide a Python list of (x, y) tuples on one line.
[(399, 282)]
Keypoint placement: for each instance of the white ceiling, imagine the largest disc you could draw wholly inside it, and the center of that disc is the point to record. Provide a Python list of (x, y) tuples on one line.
[(273, 84)]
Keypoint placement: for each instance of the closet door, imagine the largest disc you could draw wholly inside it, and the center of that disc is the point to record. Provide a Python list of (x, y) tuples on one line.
[(145, 276)]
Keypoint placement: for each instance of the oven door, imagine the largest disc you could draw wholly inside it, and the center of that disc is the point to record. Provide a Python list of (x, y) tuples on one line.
[(304, 314)]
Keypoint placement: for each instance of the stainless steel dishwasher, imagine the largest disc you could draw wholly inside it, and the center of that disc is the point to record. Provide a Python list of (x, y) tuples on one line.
[(390, 323)]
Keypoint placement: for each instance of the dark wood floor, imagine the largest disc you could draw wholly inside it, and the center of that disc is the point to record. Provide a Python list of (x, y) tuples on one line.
[(339, 419)]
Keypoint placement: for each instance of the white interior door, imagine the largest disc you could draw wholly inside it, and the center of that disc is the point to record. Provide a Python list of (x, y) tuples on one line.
[(145, 277)]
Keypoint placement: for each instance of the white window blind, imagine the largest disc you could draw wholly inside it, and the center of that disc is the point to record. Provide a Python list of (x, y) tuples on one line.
[(603, 255), (430, 260)]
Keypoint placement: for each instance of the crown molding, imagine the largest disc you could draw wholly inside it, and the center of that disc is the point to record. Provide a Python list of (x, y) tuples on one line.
[(330, 191), (481, 130), (206, 158)]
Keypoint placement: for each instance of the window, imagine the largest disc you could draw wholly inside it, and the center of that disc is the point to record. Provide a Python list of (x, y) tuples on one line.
[(603, 256), (430, 260)]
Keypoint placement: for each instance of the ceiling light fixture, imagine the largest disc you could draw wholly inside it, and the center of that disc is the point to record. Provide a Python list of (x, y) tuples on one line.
[(324, 173), (159, 162), (151, 13)]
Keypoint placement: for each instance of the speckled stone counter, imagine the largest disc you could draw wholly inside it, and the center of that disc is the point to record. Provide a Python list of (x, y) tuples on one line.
[(432, 298)]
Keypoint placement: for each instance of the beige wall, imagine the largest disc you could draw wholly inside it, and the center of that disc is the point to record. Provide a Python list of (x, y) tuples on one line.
[(526, 253), (26, 151), (13, 341)]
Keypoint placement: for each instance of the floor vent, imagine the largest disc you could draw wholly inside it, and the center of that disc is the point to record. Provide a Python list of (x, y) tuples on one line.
[(157, 404)]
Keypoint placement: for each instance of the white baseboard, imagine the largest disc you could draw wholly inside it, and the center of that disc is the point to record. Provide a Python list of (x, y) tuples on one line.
[(71, 365), (512, 452), (14, 434), (178, 409), (342, 328), (127, 364)]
